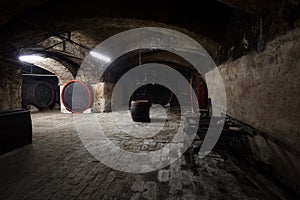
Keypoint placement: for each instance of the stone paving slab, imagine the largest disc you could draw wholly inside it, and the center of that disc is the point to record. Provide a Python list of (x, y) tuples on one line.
[(57, 166)]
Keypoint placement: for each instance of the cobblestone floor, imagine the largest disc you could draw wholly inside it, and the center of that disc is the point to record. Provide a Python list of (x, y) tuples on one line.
[(57, 166)]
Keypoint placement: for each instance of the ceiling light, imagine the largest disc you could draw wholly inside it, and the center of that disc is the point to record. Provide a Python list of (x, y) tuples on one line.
[(100, 56), (30, 58)]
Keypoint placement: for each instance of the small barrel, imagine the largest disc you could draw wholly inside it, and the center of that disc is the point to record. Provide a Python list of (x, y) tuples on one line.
[(140, 111), (40, 94), (77, 96)]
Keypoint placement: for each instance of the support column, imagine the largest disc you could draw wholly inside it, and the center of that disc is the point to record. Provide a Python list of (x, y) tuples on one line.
[(103, 92), (15, 122), (10, 86)]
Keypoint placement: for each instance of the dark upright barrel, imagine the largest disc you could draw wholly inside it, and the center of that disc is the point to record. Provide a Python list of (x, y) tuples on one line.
[(38, 93), (140, 111), (77, 96)]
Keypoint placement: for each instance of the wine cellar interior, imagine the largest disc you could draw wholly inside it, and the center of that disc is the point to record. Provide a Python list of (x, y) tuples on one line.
[(64, 69)]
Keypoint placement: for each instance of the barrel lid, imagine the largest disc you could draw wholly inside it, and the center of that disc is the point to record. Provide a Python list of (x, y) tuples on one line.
[(140, 101)]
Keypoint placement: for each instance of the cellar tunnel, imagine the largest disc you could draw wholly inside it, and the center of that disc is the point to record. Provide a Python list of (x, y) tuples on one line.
[(49, 53)]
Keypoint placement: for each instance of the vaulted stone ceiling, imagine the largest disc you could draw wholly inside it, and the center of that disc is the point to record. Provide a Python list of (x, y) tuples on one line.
[(104, 19), (252, 6), (227, 29)]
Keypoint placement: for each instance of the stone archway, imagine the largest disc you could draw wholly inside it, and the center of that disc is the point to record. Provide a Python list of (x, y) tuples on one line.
[(62, 72)]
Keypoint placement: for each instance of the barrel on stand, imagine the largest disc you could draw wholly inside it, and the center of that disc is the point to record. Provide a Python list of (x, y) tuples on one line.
[(140, 111), (77, 96), (40, 94)]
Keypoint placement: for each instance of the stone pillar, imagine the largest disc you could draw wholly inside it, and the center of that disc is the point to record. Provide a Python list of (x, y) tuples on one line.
[(15, 124), (102, 100), (10, 86)]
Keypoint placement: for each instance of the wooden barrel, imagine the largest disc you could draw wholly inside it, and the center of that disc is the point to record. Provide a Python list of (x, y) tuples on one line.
[(140, 111), (40, 94), (83, 100)]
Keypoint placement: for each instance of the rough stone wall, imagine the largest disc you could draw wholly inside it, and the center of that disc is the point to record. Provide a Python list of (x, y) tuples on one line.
[(242, 34), (10, 86), (263, 90)]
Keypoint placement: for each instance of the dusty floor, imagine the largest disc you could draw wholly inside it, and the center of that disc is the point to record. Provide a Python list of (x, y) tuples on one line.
[(57, 166)]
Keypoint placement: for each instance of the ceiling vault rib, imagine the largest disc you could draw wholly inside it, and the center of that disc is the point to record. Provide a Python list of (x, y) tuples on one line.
[(47, 48), (71, 41)]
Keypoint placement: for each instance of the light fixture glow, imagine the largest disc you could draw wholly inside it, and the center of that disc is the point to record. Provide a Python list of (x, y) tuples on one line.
[(30, 58), (100, 56)]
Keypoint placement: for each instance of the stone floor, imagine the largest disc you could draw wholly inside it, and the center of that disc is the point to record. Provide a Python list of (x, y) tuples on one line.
[(57, 166)]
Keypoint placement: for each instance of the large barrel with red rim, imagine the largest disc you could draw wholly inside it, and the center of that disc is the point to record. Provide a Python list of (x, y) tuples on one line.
[(40, 94), (140, 110), (77, 96)]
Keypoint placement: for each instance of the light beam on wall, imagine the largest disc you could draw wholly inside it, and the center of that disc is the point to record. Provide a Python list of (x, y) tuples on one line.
[(30, 58), (100, 56)]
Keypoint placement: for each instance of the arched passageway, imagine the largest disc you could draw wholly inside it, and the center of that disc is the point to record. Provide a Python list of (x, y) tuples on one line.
[(255, 45)]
